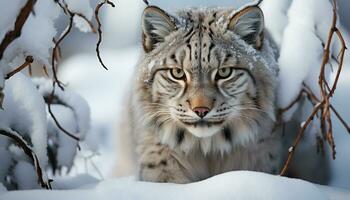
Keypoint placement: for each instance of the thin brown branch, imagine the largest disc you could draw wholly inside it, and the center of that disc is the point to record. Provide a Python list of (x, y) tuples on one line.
[(99, 30), (27, 62), (45, 71), (1, 98), (30, 71), (298, 138), (341, 62), (341, 119), (30, 153), (58, 53), (49, 103), (16, 32), (57, 43), (146, 2)]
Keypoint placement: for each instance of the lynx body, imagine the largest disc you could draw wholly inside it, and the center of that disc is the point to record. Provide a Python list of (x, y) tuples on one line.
[(203, 102)]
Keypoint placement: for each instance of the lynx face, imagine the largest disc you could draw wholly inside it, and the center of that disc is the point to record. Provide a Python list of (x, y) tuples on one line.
[(204, 72), (202, 97)]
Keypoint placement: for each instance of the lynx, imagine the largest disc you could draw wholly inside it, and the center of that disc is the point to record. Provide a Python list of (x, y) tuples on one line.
[(203, 102)]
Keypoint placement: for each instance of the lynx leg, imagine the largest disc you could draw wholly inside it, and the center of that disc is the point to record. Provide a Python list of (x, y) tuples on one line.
[(158, 164)]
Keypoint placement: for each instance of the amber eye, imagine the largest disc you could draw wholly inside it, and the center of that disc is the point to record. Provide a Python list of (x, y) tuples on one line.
[(224, 73), (177, 73)]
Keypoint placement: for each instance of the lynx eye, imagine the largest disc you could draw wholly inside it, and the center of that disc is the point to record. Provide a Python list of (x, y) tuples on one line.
[(224, 73), (177, 73)]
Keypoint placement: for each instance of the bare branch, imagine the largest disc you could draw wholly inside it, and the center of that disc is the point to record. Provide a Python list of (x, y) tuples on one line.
[(146, 2), (28, 61), (99, 25), (57, 43), (49, 103)]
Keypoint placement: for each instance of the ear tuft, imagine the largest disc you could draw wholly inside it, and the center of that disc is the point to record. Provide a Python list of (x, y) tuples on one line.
[(156, 25), (249, 24)]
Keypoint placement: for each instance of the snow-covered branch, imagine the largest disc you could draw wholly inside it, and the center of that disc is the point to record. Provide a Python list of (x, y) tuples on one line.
[(16, 32), (322, 106), (18, 139), (39, 116)]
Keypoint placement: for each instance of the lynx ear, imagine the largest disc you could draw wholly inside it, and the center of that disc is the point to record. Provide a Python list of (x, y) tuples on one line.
[(156, 25), (249, 24)]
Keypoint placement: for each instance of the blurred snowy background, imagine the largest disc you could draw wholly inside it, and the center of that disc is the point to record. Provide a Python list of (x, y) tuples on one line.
[(106, 91)]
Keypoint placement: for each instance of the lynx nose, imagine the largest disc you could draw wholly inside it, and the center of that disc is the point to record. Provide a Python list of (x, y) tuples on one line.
[(201, 111)]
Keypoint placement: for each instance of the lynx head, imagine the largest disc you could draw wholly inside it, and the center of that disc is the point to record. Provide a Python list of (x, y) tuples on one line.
[(205, 73)]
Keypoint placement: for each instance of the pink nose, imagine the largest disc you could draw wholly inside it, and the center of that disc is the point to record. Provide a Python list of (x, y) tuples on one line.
[(201, 111)]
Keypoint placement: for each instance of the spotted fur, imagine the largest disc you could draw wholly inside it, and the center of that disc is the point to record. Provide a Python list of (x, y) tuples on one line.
[(184, 57)]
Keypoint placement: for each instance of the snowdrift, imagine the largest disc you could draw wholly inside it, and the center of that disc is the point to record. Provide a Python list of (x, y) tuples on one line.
[(233, 185)]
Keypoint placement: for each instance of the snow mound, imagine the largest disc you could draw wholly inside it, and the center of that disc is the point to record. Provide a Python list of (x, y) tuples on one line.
[(232, 185)]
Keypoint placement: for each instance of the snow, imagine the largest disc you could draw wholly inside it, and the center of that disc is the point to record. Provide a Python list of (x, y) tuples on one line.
[(67, 148), (71, 100), (9, 13), (5, 161), (25, 176), (232, 185), (275, 16), (84, 8), (37, 33), (2, 188), (25, 112), (76, 182), (24, 109), (306, 22)]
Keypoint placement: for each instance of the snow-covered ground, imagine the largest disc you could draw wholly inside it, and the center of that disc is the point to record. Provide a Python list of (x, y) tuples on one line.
[(238, 185)]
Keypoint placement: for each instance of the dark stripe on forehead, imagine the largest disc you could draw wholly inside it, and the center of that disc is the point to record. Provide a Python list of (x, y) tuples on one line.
[(189, 33), (211, 46)]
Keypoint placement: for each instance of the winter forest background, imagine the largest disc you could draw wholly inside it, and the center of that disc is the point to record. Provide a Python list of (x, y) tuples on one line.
[(99, 93)]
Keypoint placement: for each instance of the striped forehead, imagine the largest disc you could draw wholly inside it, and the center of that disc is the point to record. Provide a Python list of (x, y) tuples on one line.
[(203, 44)]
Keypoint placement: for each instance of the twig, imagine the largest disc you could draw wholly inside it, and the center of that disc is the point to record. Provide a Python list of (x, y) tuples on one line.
[(57, 43), (16, 32), (30, 71), (30, 153), (298, 138), (28, 61), (146, 2), (99, 30), (45, 71), (341, 58), (49, 103)]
